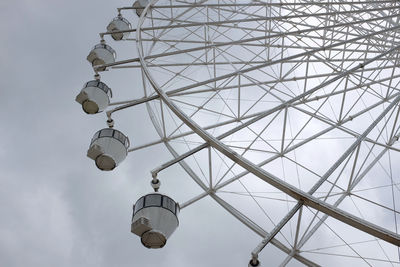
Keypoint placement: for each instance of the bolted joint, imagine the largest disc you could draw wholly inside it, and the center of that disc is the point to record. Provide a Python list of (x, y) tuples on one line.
[(110, 123), (155, 183)]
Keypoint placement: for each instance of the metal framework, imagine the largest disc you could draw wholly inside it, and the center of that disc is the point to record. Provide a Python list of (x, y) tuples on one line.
[(286, 113)]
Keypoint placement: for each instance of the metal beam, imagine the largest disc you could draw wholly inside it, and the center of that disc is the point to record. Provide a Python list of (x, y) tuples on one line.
[(292, 191)]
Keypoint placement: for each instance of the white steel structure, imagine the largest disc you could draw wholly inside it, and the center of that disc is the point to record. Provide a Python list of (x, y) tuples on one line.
[(286, 113)]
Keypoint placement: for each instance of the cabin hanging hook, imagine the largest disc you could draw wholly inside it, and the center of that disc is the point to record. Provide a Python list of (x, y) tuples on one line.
[(155, 183)]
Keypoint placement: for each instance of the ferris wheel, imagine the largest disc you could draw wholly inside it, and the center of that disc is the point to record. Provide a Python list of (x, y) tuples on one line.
[(286, 113)]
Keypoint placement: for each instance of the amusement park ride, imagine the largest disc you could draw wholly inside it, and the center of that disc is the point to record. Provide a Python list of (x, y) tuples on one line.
[(297, 100)]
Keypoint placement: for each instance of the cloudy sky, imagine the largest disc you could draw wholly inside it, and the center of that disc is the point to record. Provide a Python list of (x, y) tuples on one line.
[(57, 208)]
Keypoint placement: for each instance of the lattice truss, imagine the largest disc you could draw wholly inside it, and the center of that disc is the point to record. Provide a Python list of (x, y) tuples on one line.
[(298, 95)]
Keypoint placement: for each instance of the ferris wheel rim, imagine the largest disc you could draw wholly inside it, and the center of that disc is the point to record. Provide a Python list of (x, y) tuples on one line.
[(286, 151), (148, 74), (206, 190), (300, 195)]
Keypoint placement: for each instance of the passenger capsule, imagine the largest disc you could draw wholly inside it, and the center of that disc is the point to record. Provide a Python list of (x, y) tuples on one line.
[(140, 5), (108, 148), (94, 97), (155, 218), (101, 54), (119, 24)]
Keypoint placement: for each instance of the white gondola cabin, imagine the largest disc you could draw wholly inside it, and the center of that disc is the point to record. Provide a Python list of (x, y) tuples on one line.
[(155, 218), (101, 54), (140, 5), (108, 148), (94, 97), (119, 24)]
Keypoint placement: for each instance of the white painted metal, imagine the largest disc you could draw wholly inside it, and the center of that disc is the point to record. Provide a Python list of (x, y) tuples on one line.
[(231, 154), (263, 84), (271, 179)]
